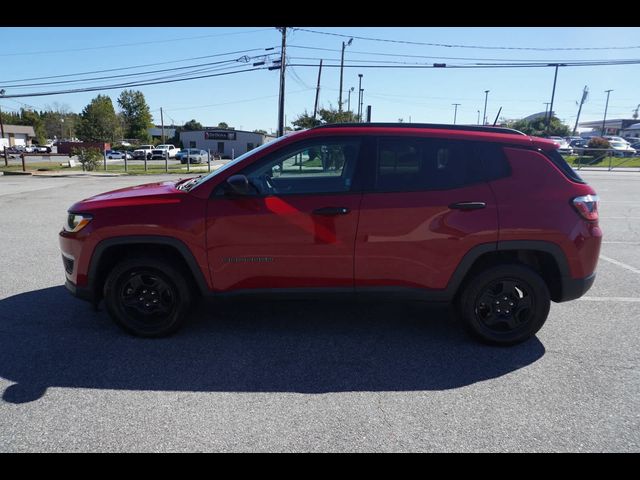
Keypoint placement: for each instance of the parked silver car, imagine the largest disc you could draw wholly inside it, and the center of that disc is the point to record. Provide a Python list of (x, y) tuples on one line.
[(194, 155)]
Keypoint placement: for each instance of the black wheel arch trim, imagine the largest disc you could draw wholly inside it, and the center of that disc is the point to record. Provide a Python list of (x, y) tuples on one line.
[(503, 246), (180, 246)]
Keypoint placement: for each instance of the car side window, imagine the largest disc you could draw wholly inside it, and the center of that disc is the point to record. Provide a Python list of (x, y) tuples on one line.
[(318, 166), (412, 164)]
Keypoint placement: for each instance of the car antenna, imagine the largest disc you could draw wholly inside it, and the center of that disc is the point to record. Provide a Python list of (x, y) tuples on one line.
[(496, 120)]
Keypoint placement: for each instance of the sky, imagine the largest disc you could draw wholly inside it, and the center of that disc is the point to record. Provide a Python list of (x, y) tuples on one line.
[(249, 100)]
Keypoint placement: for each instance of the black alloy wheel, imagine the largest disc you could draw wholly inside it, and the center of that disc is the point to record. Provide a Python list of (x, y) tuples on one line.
[(147, 297), (505, 304)]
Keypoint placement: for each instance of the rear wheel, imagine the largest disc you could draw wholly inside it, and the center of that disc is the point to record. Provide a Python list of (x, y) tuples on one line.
[(147, 297), (505, 305)]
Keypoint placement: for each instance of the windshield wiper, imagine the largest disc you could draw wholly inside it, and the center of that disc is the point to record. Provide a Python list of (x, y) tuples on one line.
[(189, 183)]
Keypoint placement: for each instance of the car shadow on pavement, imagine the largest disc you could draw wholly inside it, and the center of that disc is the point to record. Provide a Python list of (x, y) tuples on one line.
[(50, 339)]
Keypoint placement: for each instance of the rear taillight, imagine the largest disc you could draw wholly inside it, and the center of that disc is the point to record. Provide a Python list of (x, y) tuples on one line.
[(587, 206)]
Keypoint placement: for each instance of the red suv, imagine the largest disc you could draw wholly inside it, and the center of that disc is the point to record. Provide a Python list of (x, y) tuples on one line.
[(488, 218)]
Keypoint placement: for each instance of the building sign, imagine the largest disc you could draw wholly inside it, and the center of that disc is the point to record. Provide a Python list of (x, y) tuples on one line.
[(225, 135)]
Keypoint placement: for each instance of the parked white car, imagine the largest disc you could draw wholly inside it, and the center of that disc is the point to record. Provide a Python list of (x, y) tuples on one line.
[(564, 148), (622, 149), (142, 152)]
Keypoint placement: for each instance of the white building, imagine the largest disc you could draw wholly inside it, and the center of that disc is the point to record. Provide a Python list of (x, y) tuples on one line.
[(223, 142), (16, 135)]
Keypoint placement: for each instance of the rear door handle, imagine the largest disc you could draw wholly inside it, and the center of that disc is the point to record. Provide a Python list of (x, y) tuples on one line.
[(331, 211), (467, 205)]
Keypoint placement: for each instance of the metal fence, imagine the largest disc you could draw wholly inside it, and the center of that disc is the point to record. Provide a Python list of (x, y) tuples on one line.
[(604, 158), (52, 161)]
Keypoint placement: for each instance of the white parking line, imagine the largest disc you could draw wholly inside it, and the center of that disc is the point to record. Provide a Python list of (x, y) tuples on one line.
[(620, 264), (611, 299), (623, 243)]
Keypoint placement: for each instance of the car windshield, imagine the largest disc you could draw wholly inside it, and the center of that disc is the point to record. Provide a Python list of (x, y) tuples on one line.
[(200, 180)]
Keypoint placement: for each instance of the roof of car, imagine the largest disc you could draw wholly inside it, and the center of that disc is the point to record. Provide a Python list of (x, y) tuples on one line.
[(470, 132), (433, 126)]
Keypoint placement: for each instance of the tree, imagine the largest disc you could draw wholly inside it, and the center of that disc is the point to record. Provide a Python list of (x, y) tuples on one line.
[(260, 131), (192, 125), (99, 122), (305, 121), (135, 114), (538, 127), (224, 125), (29, 117), (90, 158), (327, 115)]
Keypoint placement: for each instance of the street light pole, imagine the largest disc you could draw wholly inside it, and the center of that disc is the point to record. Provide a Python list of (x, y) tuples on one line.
[(341, 72), (359, 97), (605, 111), (478, 117), (484, 115), (455, 112), (349, 99)]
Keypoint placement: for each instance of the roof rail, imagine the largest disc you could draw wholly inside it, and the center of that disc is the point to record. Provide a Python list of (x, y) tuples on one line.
[(439, 126)]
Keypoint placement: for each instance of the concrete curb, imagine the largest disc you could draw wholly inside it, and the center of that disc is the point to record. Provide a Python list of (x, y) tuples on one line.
[(16, 173)]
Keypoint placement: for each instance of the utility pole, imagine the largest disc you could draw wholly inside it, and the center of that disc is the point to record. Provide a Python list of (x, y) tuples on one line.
[(4, 148), (368, 113), (362, 101), (635, 112), (605, 111), (546, 109), (585, 93), (283, 55), (315, 107), (484, 115), (478, 117), (162, 124), (359, 96), (341, 72), (455, 112), (553, 92)]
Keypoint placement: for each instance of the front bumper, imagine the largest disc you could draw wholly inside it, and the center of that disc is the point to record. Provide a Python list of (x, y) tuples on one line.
[(573, 288), (79, 292)]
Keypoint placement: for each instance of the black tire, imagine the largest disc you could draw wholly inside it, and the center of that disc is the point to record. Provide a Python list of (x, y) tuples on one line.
[(147, 296), (505, 304)]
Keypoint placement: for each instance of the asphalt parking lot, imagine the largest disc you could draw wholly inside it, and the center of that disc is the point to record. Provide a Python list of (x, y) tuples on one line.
[(306, 376)]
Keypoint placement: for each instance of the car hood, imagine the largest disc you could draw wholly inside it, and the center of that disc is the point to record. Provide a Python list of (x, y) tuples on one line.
[(147, 194)]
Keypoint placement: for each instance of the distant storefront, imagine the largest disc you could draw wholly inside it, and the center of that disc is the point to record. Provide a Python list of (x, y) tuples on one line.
[(223, 142)]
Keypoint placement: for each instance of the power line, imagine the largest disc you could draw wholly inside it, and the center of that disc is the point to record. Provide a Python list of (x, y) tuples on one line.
[(4, 82), (131, 44), (481, 65), (434, 57), (236, 101), (184, 68), (542, 49), (133, 84), (92, 79)]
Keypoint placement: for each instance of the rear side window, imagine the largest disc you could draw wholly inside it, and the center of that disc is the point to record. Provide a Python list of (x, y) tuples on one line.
[(494, 161), (559, 161), (413, 164)]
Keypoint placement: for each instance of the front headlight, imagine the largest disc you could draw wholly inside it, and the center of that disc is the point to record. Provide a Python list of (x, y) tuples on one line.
[(76, 222)]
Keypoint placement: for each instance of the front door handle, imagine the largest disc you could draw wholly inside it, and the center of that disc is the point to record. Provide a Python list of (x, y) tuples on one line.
[(467, 205), (331, 211)]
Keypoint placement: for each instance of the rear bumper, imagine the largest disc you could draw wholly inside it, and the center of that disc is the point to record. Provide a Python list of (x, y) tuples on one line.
[(573, 288)]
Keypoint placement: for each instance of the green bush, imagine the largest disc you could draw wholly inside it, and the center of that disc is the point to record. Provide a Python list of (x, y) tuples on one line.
[(90, 158)]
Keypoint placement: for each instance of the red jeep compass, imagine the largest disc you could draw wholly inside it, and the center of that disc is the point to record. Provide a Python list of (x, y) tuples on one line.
[(488, 218)]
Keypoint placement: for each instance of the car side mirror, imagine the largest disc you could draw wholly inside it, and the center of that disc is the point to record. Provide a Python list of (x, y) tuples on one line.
[(239, 184)]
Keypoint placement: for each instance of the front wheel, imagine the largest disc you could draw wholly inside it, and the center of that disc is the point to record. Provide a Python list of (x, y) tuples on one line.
[(505, 304), (147, 297)]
